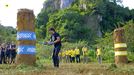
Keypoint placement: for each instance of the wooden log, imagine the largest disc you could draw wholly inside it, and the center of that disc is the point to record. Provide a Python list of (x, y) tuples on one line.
[(26, 37), (120, 46)]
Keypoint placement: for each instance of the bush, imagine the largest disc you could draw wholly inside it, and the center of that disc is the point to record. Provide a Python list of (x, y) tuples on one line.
[(92, 54), (70, 24), (44, 52), (131, 56), (129, 31), (106, 44), (78, 44)]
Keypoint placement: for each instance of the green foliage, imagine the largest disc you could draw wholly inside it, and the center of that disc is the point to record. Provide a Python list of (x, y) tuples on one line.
[(27, 68), (106, 44), (43, 18), (41, 22), (7, 34), (44, 52), (70, 24), (113, 15), (79, 44), (132, 14), (129, 31), (92, 54), (106, 41), (131, 56), (121, 68), (112, 67)]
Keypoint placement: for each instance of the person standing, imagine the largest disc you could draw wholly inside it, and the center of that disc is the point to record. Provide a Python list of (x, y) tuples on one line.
[(56, 41), (8, 53), (77, 53), (85, 54), (72, 56), (0, 55), (99, 58), (62, 56), (13, 53), (67, 56), (3, 60)]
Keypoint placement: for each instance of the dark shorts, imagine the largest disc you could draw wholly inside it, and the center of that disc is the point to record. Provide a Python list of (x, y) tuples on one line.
[(8, 54), (13, 54), (2, 54)]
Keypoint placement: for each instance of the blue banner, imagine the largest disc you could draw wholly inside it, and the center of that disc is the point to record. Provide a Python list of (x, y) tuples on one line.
[(26, 49), (26, 35)]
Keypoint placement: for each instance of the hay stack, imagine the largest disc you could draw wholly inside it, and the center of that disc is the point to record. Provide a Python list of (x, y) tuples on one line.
[(25, 23), (120, 46)]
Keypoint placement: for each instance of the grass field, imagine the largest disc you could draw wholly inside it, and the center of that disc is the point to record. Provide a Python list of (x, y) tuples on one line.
[(68, 69)]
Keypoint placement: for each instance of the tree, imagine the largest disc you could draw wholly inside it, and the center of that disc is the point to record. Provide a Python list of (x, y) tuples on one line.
[(7, 34), (113, 15), (129, 31), (70, 24)]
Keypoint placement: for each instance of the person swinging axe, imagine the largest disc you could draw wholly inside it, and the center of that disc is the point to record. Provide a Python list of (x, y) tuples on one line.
[(56, 41)]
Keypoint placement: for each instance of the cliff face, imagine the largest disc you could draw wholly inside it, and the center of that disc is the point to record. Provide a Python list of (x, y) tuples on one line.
[(91, 21), (57, 4), (54, 4), (65, 3)]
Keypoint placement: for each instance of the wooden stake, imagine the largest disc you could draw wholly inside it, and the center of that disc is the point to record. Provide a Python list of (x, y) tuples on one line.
[(120, 46)]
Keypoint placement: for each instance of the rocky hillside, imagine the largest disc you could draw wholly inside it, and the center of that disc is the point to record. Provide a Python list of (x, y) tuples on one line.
[(65, 3), (57, 4), (81, 19)]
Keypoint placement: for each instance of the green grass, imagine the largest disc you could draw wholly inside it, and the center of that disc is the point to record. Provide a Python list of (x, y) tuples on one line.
[(68, 69), (6, 69)]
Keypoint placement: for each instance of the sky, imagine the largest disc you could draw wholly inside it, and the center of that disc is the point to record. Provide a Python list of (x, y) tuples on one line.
[(8, 14)]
